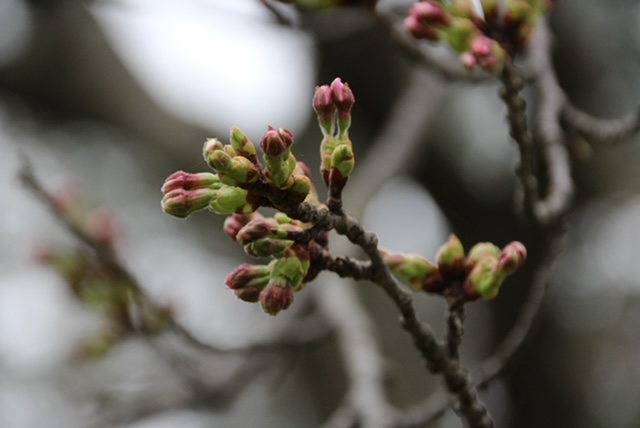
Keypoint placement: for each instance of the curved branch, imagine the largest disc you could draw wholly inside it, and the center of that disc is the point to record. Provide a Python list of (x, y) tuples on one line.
[(600, 129)]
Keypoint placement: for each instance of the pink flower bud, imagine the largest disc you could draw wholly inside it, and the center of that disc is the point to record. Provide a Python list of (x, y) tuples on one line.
[(186, 181), (512, 257), (275, 298), (468, 60), (276, 142), (248, 294), (430, 12), (342, 96), (235, 222), (482, 46), (325, 110), (248, 275), (181, 203), (420, 30), (255, 229)]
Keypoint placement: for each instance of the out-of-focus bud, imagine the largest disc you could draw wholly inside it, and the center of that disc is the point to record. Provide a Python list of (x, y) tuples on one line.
[(483, 280), (430, 12), (420, 30), (265, 247), (450, 259), (469, 61), (242, 145), (325, 109), (249, 294), (229, 200), (276, 297), (512, 257), (480, 251), (182, 203), (343, 99), (459, 34), (413, 270), (248, 275), (276, 142)]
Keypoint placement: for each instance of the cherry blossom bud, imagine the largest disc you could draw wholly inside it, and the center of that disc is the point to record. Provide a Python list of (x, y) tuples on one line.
[(249, 294), (430, 12), (276, 297), (342, 159), (228, 200), (182, 203), (483, 280), (235, 222), (266, 247), (255, 229), (480, 251), (413, 270), (187, 181), (325, 109), (242, 145), (450, 259), (512, 257), (420, 30), (276, 142), (248, 275), (343, 99)]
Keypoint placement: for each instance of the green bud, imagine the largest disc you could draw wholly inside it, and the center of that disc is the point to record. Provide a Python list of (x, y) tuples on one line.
[(413, 270), (450, 259), (512, 258), (290, 270), (242, 145), (265, 247), (480, 251), (248, 275), (342, 159), (460, 34), (484, 280), (228, 200), (327, 147)]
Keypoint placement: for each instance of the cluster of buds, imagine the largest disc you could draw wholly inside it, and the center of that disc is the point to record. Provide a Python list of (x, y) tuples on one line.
[(239, 184), (481, 37), (479, 274), (333, 104), (281, 238), (96, 283)]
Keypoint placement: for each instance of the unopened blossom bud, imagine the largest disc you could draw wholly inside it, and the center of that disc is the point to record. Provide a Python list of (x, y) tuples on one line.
[(210, 146), (413, 270), (325, 109), (512, 257), (290, 270), (480, 251), (300, 188), (242, 145), (255, 229), (249, 294), (420, 30), (276, 297), (343, 99), (483, 280), (233, 170), (328, 145), (235, 222), (343, 160), (450, 259), (266, 247), (469, 61), (181, 203), (276, 142), (187, 181), (430, 12), (248, 275), (481, 46), (460, 33), (228, 200)]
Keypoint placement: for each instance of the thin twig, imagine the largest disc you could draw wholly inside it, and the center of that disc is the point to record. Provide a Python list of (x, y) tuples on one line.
[(454, 329), (600, 129)]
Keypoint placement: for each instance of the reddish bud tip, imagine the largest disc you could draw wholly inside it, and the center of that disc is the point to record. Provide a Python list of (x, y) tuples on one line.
[(275, 298), (276, 142)]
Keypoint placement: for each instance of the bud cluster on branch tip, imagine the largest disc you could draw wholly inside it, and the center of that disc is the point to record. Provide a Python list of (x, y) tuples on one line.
[(480, 37), (479, 274), (239, 184), (272, 285), (242, 183), (333, 104)]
